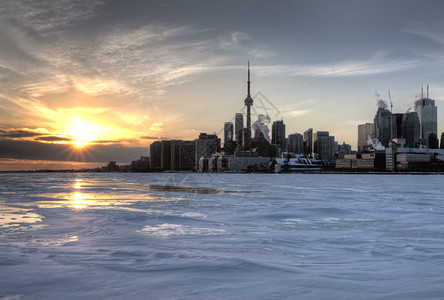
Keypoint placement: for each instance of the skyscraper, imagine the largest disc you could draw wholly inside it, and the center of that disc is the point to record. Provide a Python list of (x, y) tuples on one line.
[(228, 132), (229, 143), (410, 129), (296, 143), (176, 155), (383, 126), (441, 145), (186, 155), (261, 145), (248, 103), (278, 134), (365, 131), (428, 117), (397, 125), (324, 145), (206, 145), (165, 158), (308, 141), (238, 126), (155, 155)]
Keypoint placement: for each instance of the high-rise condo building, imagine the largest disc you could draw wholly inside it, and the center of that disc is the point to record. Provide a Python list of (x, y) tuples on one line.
[(428, 117), (165, 158), (155, 155), (278, 134), (238, 126), (410, 129), (228, 132), (365, 131), (206, 145), (308, 141), (383, 123), (324, 146), (296, 143), (397, 125)]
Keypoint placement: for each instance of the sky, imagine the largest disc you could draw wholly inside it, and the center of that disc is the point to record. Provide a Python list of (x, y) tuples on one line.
[(94, 81)]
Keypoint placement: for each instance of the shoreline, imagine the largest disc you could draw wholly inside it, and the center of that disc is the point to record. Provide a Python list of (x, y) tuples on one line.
[(191, 172)]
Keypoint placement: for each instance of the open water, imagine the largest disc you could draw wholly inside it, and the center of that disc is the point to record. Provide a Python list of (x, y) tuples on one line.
[(221, 236)]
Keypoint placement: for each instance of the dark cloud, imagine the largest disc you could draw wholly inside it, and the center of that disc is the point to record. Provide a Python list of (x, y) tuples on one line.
[(19, 149), (107, 142), (149, 138), (18, 133), (128, 141), (53, 139)]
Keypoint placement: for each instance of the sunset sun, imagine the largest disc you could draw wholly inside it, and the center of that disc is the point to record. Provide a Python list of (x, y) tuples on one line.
[(82, 134)]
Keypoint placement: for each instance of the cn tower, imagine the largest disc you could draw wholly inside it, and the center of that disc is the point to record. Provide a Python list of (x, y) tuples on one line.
[(248, 102)]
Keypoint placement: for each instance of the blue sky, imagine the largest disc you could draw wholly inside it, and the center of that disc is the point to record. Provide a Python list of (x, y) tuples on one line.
[(128, 72)]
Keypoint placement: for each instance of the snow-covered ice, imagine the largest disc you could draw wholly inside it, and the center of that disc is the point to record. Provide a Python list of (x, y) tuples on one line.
[(229, 236)]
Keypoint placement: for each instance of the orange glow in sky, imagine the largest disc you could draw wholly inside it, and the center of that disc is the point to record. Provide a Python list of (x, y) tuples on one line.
[(83, 133)]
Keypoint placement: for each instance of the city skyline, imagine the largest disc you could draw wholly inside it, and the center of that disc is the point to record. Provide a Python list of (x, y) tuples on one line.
[(102, 80)]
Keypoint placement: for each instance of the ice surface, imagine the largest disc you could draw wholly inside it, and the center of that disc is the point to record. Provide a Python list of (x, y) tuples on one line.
[(230, 236)]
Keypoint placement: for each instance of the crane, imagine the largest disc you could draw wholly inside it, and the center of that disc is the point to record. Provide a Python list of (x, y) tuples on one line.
[(391, 117), (391, 104)]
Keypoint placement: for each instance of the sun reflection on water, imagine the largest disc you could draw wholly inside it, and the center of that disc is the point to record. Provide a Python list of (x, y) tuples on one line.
[(85, 200), (14, 216), (79, 201), (78, 183), (81, 193)]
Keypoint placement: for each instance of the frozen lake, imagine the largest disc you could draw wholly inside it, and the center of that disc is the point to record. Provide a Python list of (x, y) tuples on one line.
[(232, 236)]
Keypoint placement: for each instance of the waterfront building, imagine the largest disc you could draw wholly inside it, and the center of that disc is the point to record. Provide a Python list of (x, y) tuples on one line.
[(242, 164), (140, 165), (182, 155), (165, 158), (205, 146), (414, 159), (155, 155)]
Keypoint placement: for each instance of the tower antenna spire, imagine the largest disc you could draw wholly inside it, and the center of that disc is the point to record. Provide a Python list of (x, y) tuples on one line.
[(391, 116), (248, 82)]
